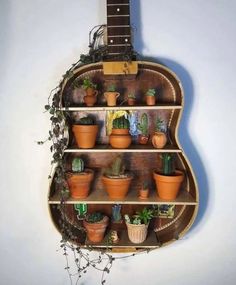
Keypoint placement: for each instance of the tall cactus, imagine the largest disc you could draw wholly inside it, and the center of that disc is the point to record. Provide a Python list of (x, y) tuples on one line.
[(77, 165), (143, 125), (120, 123), (167, 163), (117, 167)]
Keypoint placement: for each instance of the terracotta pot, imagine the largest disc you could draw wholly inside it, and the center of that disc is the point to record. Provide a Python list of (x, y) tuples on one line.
[(142, 139), (90, 100), (143, 193), (168, 186), (137, 233), (91, 92), (96, 231), (111, 98), (150, 100), (79, 183), (159, 140), (116, 188), (131, 101), (120, 138), (85, 135)]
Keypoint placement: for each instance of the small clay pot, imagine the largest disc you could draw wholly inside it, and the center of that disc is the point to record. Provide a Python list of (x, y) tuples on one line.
[(159, 139), (96, 231), (150, 100), (79, 183), (168, 186), (142, 139), (120, 138), (90, 100), (131, 101), (143, 193), (116, 188), (137, 233), (111, 98), (85, 135)]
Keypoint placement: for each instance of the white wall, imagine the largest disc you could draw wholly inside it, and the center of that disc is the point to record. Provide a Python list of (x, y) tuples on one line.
[(38, 41)]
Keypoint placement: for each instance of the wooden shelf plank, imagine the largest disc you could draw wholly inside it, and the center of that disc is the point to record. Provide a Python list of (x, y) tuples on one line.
[(116, 108), (99, 196), (124, 242), (132, 148)]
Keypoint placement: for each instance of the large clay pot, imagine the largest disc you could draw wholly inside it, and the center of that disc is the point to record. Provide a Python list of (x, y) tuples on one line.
[(150, 100), (168, 186), (111, 98), (137, 233), (96, 231), (120, 138), (116, 188), (79, 183), (85, 135), (159, 140)]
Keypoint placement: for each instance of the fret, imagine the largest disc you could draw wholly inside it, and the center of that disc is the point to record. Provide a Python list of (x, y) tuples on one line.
[(117, 5), (120, 36), (119, 45)]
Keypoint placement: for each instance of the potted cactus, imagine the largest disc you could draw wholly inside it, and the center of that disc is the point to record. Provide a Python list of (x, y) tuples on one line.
[(144, 190), (95, 225), (159, 138), (150, 97), (168, 180), (111, 95), (120, 137), (137, 225), (91, 93), (85, 132), (131, 99), (143, 128), (115, 180), (79, 179)]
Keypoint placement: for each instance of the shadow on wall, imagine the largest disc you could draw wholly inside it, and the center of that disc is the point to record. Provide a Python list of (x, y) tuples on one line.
[(184, 135)]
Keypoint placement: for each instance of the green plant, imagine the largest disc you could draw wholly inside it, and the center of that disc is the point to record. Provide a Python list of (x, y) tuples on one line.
[(143, 125), (167, 164), (131, 95), (77, 165), (111, 88), (86, 121), (94, 217), (87, 83), (142, 217), (117, 167), (151, 92), (120, 123), (145, 185)]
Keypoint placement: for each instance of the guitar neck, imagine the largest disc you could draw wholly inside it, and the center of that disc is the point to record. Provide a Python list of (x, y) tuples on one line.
[(118, 28)]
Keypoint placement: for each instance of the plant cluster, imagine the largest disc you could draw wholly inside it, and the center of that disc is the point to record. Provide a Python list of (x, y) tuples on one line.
[(87, 83), (142, 217), (120, 123), (151, 92), (94, 217), (143, 125), (111, 88), (160, 125)]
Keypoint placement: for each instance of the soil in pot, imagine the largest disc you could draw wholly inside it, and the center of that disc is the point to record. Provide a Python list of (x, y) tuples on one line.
[(168, 186)]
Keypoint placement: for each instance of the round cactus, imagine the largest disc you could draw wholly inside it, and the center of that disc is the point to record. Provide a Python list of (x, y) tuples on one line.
[(120, 123), (77, 165), (86, 121)]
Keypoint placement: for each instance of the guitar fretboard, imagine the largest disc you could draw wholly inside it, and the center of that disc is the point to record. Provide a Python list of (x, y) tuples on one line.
[(118, 27)]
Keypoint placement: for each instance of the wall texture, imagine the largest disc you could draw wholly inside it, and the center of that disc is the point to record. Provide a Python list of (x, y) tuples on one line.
[(38, 41)]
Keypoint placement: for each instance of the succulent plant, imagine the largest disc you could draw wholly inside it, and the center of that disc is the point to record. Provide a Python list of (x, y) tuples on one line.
[(143, 125), (94, 217), (111, 88), (131, 95), (77, 165), (87, 83), (117, 167), (160, 125), (151, 92), (120, 123), (86, 121), (142, 217)]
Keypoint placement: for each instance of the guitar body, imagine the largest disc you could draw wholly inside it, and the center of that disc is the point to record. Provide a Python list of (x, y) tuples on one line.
[(142, 160)]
